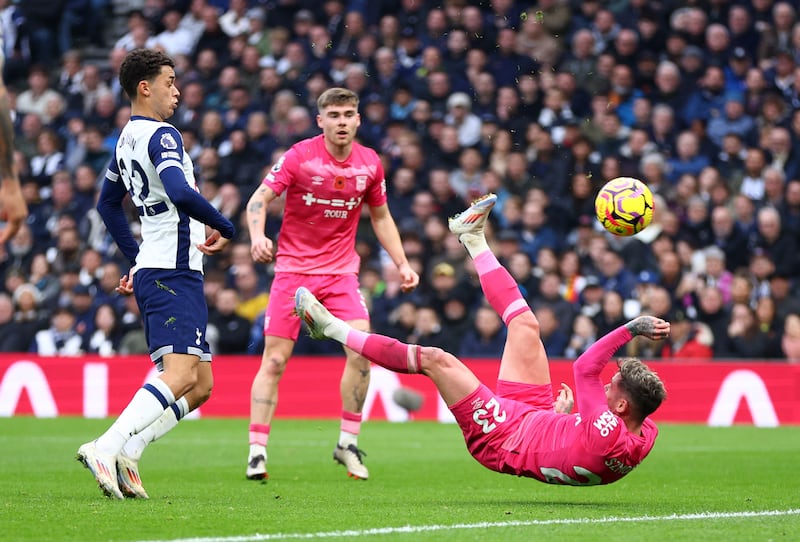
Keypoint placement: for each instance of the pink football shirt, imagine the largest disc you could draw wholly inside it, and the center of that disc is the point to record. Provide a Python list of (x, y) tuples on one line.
[(590, 448), (324, 198)]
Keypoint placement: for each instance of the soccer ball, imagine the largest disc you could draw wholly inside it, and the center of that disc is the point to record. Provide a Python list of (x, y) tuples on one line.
[(624, 206)]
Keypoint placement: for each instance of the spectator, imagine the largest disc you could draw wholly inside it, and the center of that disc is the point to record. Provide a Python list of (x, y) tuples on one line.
[(616, 276), (39, 96), (29, 318), (83, 308), (549, 295), (778, 245), (253, 297), (459, 114), (105, 339), (42, 18), (61, 338), (745, 339), (234, 330), (584, 335), (487, 336), (687, 339), (790, 343), (732, 119), (688, 158)]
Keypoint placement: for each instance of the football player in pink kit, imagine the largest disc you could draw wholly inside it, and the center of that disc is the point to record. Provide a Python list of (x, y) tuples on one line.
[(515, 429), (326, 179)]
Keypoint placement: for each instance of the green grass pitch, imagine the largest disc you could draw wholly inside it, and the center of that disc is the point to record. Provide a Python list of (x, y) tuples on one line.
[(699, 483)]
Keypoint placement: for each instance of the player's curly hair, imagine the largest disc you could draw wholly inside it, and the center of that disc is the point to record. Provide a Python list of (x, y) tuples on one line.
[(337, 96), (643, 386), (141, 65)]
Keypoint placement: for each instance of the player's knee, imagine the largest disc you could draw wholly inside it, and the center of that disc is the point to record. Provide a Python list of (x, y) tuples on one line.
[(274, 365), (433, 356), (525, 322)]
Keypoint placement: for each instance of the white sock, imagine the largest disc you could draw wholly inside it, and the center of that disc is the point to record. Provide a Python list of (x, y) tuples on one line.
[(146, 406), (257, 449), (163, 425), (475, 243), (346, 439), (337, 330)]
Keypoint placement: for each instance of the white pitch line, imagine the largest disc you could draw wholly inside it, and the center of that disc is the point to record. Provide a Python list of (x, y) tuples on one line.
[(483, 525)]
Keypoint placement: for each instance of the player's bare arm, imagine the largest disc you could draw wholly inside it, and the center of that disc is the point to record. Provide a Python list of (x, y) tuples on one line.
[(214, 244), (261, 247), (649, 326), (386, 231), (14, 210)]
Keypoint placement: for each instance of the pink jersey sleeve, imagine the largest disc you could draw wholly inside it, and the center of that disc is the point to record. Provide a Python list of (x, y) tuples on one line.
[(280, 174), (376, 196), (587, 368)]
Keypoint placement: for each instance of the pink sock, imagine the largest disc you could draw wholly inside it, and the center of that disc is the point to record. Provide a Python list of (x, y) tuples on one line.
[(385, 351), (499, 286), (259, 434), (351, 422)]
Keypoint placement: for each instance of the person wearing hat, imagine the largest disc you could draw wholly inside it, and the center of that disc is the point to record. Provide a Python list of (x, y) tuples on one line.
[(459, 114), (736, 68)]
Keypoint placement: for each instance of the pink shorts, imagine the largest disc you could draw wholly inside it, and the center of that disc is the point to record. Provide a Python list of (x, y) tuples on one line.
[(489, 419), (339, 293)]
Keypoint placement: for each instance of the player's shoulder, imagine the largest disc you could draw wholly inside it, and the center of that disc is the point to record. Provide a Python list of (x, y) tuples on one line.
[(312, 145), (367, 154)]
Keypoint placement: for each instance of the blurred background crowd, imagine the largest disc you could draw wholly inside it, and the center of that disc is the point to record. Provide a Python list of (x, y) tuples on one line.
[(539, 102)]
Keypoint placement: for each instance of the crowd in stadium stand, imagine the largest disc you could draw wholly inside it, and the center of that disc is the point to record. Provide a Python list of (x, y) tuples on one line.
[(539, 102)]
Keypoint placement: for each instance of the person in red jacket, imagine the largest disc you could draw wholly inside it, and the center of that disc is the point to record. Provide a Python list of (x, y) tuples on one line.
[(688, 338)]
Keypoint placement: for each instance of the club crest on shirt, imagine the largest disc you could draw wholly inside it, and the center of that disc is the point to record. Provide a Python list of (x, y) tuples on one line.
[(361, 182), (168, 142)]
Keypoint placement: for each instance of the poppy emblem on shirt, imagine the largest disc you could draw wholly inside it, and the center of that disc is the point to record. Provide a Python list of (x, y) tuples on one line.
[(338, 182)]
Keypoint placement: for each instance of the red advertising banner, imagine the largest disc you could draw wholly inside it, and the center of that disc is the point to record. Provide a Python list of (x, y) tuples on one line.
[(715, 393)]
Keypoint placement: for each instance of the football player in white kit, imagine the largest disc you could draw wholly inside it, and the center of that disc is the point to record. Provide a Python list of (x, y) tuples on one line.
[(150, 165)]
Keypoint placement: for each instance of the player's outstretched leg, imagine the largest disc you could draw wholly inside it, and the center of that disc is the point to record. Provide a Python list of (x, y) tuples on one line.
[(524, 358), (385, 351), (102, 466), (452, 378)]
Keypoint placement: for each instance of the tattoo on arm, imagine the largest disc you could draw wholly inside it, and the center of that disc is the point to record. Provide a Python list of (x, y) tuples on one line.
[(255, 207), (641, 326)]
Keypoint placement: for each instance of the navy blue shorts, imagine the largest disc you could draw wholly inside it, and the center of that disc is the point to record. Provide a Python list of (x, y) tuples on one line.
[(174, 312)]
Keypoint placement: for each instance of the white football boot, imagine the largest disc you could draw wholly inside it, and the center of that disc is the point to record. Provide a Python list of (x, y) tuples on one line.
[(103, 467)]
